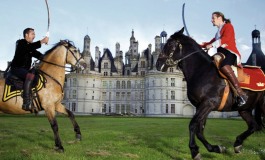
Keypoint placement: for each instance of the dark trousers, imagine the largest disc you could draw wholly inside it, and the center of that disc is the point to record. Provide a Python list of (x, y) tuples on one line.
[(22, 73), (230, 58)]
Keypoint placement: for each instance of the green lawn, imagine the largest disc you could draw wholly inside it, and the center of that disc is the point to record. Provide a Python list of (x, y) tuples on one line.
[(118, 138)]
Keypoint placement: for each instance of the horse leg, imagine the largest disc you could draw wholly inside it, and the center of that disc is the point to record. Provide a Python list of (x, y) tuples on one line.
[(208, 146), (197, 126), (60, 108), (252, 127), (194, 149), (51, 117)]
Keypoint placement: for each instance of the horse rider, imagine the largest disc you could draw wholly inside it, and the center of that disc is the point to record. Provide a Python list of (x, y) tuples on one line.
[(224, 41), (21, 63)]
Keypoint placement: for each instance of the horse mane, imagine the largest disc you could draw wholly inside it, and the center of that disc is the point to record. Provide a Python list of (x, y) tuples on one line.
[(61, 42), (186, 40)]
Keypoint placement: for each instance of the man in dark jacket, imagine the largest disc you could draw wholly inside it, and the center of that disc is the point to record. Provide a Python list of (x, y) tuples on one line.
[(21, 63)]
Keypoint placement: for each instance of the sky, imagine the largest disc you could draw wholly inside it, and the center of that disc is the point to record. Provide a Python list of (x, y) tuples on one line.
[(107, 22)]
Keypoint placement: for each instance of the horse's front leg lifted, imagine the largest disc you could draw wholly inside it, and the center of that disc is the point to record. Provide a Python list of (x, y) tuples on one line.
[(58, 144), (208, 146), (196, 127)]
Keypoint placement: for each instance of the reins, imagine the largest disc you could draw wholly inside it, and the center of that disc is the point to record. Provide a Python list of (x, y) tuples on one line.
[(77, 61), (56, 81), (179, 60), (171, 62)]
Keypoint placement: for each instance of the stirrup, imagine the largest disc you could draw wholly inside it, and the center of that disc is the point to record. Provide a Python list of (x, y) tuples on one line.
[(26, 106), (240, 101)]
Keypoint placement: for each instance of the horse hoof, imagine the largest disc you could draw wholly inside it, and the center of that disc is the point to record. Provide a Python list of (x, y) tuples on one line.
[(59, 149), (78, 137), (238, 149), (197, 157), (222, 149)]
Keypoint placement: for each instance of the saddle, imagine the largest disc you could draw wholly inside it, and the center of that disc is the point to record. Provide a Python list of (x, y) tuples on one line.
[(14, 87), (249, 77)]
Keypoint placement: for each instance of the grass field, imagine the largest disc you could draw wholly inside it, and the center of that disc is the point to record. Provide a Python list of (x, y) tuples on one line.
[(121, 138)]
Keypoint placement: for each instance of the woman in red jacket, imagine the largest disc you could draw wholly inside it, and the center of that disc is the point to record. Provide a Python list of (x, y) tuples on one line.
[(224, 41)]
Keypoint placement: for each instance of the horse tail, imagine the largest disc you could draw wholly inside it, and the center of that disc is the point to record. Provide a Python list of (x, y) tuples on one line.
[(260, 117)]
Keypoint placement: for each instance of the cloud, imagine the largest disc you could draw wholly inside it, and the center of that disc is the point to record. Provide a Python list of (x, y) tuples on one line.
[(244, 47)]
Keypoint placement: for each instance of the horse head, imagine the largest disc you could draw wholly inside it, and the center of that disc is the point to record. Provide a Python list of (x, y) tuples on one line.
[(177, 48), (64, 52), (171, 52), (73, 56)]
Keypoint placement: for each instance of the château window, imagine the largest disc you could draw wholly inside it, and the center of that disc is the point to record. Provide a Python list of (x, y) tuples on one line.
[(171, 69), (172, 108), (106, 64), (73, 107), (105, 85), (104, 108), (74, 82), (143, 64), (117, 95), (142, 95), (74, 93), (110, 84), (105, 73), (123, 84), (118, 84), (142, 84), (172, 94), (128, 95), (172, 82), (129, 85), (104, 95), (123, 95)]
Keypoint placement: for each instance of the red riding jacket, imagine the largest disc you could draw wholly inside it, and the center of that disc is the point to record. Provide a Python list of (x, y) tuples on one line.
[(226, 40)]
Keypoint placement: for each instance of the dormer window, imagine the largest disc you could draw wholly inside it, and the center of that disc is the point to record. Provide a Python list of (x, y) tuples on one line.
[(106, 65)]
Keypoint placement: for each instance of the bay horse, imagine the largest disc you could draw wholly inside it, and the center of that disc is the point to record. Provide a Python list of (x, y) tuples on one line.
[(205, 88), (50, 96)]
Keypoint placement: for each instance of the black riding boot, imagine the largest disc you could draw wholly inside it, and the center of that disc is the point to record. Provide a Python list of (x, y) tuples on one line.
[(27, 95), (229, 73)]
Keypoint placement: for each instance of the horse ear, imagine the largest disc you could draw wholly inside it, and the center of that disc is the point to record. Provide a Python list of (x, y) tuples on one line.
[(182, 30)]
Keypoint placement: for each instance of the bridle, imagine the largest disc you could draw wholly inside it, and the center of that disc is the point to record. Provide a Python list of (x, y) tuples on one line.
[(72, 70), (169, 59), (62, 66)]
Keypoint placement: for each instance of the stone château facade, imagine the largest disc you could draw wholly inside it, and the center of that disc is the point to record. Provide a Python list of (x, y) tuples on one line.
[(110, 86), (134, 87)]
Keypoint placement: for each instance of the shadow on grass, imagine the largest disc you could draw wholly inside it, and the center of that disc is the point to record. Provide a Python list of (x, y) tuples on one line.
[(165, 147), (178, 151)]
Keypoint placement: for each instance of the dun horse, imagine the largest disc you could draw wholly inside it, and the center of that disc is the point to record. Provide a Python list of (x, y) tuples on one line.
[(50, 96), (205, 89)]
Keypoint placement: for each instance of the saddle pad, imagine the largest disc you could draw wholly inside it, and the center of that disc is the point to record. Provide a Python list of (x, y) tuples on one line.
[(255, 79), (10, 92)]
